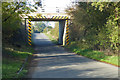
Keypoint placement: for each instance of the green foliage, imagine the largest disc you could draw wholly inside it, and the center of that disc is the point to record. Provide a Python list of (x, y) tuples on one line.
[(50, 27), (12, 26), (40, 26), (95, 25), (13, 38), (47, 29)]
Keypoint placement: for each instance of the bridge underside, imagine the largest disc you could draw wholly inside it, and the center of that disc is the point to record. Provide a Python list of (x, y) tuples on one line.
[(48, 19), (63, 27)]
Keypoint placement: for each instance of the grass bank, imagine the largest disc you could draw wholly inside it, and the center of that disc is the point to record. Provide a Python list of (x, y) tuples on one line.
[(93, 54), (53, 39), (13, 59)]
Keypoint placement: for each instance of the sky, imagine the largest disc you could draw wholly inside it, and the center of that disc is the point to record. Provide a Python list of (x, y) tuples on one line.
[(50, 5)]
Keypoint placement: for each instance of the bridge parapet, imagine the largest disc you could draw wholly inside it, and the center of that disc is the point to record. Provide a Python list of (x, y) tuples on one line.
[(47, 15)]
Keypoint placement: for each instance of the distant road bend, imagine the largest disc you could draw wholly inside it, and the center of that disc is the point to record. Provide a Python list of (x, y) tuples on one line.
[(52, 61)]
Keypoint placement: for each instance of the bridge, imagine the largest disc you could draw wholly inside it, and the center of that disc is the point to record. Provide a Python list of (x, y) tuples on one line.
[(63, 25)]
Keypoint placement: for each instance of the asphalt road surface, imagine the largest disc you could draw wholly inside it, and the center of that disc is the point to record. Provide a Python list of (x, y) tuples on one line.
[(52, 61)]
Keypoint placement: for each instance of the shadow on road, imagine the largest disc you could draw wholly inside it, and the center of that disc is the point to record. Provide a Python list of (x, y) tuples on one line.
[(52, 61)]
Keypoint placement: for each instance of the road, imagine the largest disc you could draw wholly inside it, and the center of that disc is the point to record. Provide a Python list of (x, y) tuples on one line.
[(52, 61)]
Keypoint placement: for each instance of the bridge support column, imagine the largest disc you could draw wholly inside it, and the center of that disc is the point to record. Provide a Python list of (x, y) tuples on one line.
[(61, 31), (64, 35)]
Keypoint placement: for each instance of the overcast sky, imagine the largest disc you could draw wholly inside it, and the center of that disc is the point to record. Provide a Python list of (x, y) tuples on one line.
[(50, 5)]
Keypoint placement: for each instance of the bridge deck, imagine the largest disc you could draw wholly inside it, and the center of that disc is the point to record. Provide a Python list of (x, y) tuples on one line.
[(48, 19), (44, 18)]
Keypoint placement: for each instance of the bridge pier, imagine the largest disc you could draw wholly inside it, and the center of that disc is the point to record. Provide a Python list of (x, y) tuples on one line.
[(61, 31)]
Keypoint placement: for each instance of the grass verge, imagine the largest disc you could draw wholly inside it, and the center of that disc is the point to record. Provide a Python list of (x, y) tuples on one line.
[(96, 55), (12, 61), (54, 40)]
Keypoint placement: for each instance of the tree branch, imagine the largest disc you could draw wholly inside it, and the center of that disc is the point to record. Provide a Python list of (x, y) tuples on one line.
[(17, 7)]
